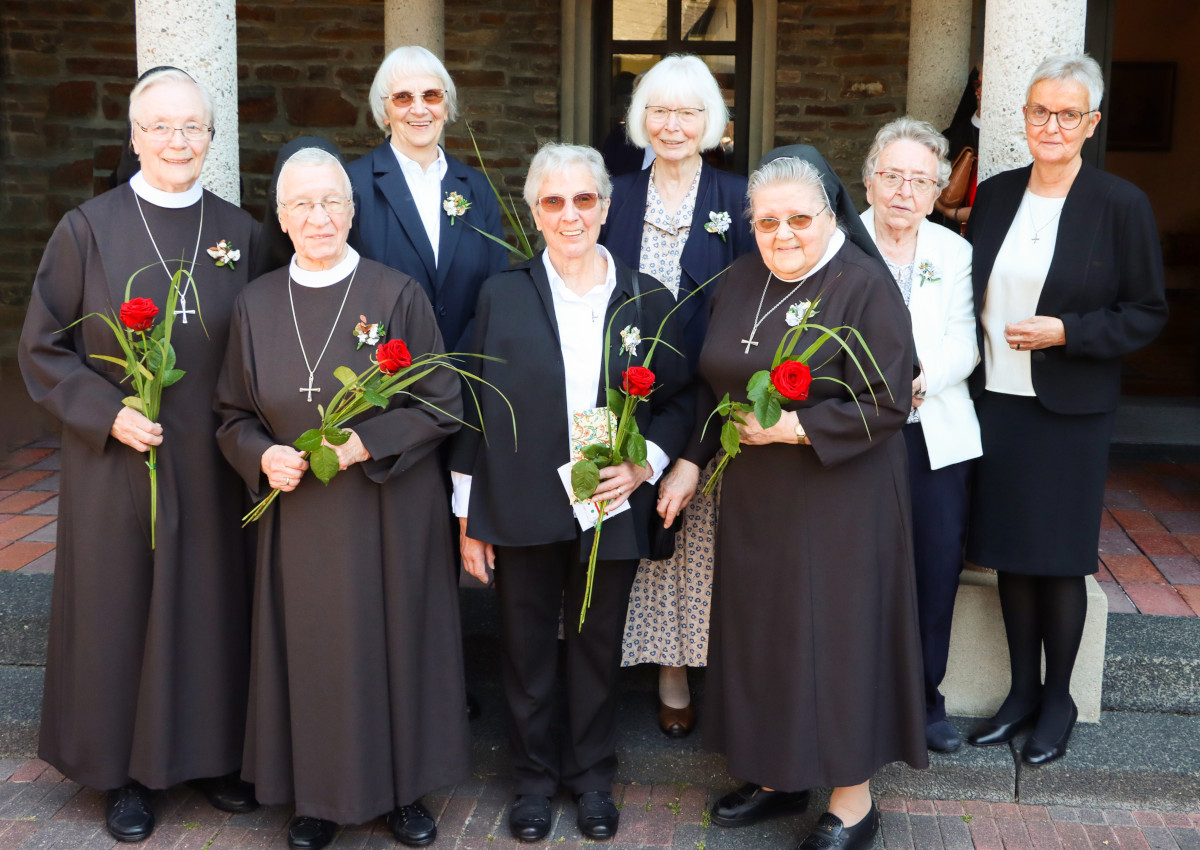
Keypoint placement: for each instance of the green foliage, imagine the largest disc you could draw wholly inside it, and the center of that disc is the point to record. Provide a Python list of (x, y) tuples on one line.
[(324, 463), (585, 478), (309, 441), (346, 375)]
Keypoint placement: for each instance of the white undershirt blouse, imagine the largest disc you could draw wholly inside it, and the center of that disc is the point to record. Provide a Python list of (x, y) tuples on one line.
[(426, 187)]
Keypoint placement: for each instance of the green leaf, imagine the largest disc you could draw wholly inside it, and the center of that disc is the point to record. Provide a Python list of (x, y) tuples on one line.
[(156, 333), (374, 381), (730, 441), (132, 401), (616, 402), (585, 478), (309, 441), (767, 410), (172, 376), (635, 447), (758, 386), (375, 398), (324, 463), (346, 375), (596, 452), (723, 405)]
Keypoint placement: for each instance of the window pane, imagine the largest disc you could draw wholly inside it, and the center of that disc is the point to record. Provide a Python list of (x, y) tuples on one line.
[(709, 20), (639, 20), (722, 68)]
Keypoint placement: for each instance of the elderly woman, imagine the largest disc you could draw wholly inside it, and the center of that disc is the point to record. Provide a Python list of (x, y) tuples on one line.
[(146, 670), (546, 320), (357, 705), (903, 172), (401, 189), (1068, 279), (662, 221), (814, 662)]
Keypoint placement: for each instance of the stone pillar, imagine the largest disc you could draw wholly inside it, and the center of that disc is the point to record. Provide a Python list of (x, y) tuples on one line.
[(421, 22), (1018, 35), (939, 58), (200, 37)]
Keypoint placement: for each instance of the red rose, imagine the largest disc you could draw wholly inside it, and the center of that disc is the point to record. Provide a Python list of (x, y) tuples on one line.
[(138, 314), (392, 356), (791, 378), (637, 380)]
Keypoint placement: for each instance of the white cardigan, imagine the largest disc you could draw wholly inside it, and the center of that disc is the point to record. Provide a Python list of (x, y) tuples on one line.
[(943, 321)]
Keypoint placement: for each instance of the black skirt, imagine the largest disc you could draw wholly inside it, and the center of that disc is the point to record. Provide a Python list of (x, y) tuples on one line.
[(1039, 488)]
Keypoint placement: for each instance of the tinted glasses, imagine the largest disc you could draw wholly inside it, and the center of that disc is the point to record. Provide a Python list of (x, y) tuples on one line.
[(430, 97), (799, 221), (583, 202)]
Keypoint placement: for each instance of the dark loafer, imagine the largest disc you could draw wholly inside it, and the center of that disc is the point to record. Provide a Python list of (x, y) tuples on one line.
[(412, 825), (751, 804), (598, 814), (529, 818), (989, 733), (676, 722), (310, 833), (228, 793), (830, 834), (942, 737), (1035, 752), (128, 815)]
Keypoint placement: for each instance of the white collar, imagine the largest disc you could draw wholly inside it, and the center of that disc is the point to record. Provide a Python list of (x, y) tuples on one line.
[(168, 200), (409, 164), (557, 283), (836, 241), (325, 277)]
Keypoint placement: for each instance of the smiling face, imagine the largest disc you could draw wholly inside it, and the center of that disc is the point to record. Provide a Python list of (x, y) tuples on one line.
[(902, 208), (792, 253), (672, 138), (416, 128), (572, 233), (1050, 144), (319, 237), (172, 165)]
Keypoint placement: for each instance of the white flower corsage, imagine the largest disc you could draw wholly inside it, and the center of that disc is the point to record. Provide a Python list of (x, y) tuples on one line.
[(797, 313), (369, 333), (718, 223), (631, 338), (455, 205), (224, 253), (928, 273)]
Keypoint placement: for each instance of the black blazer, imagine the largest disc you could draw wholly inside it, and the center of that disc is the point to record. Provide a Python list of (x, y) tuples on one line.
[(517, 498), (387, 228), (1105, 283), (704, 253)]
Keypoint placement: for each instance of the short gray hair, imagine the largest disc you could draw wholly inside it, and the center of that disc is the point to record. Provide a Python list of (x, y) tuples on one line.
[(555, 158), (410, 61), (682, 79), (786, 169), (169, 75), (1079, 68), (907, 128), (312, 158)]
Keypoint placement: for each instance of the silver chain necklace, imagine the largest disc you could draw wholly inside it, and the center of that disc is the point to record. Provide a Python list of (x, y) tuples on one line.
[(1037, 231), (182, 309), (757, 321), (310, 389)]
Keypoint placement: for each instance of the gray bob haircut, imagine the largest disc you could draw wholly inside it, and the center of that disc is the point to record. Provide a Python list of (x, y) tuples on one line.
[(410, 61), (907, 128), (1079, 68), (786, 169), (555, 158), (682, 80), (312, 158), (168, 75)]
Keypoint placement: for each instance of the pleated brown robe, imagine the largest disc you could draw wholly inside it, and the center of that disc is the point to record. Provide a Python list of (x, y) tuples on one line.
[(357, 703), (147, 667), (815, 672)]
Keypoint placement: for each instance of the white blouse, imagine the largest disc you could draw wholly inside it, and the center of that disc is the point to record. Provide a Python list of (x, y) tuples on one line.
[(664, 235)]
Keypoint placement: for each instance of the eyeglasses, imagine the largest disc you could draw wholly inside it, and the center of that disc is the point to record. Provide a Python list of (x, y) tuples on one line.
[(305, 207), (799, 221), (583, 202), (687, 115), (920, 185), (192, 130), (429, 97), (1068, 119)]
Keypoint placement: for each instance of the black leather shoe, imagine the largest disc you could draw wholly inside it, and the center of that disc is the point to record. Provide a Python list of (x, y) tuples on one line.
[(228, 793), (128, 815), (751, 804), (942, 737), (830, 834), (1035, 752), (598, 814), (413, 824), (989, 733), (310, 833), (529, 818)]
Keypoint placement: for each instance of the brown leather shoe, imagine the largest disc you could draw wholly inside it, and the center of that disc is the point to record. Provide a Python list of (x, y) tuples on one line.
[(676, 722)]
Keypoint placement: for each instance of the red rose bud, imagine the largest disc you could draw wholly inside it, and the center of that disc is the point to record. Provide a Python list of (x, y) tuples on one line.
[(138, 314), (791, 378), (392, 356), (637, 380)]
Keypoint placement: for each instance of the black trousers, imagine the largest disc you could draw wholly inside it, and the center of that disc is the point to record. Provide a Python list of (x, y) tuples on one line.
[(939, 512), (574, 747)]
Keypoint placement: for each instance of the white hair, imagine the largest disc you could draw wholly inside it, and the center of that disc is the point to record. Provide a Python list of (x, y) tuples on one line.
[(786, 169), (1079, 68), (907, 128), (555, 158), (680, 79), (313, 158), (168, 75), (410, 61)]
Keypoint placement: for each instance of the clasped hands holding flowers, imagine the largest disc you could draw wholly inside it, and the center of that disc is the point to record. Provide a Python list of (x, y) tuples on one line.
[(284, 466)]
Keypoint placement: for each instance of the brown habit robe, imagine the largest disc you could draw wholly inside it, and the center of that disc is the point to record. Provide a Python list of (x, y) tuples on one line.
[(147, 665)]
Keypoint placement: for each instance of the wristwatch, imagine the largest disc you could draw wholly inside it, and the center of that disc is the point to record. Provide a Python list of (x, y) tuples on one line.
[(800, 435)]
